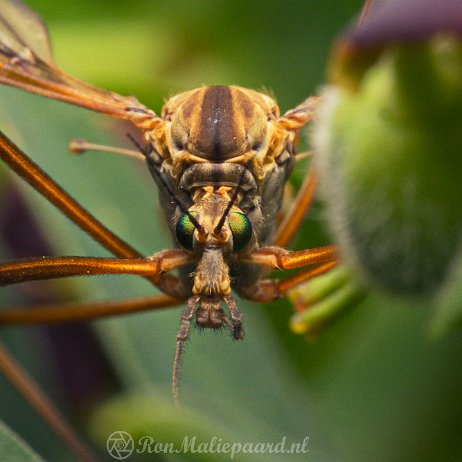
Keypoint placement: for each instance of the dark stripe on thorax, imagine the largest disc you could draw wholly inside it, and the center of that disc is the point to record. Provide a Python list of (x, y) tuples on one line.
[(217, 120)]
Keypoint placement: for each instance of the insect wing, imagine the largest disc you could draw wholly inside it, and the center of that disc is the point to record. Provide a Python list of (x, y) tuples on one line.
[(23, 31), (26, 62)]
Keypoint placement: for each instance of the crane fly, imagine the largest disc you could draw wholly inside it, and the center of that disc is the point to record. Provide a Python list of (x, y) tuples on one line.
[(220, 156)]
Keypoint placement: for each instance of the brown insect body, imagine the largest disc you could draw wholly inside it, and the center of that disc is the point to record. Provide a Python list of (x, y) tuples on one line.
[(214, 143)]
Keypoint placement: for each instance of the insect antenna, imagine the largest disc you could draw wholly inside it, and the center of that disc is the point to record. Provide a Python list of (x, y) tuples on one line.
[(220, 224), (176, 371), (146, 151), (181, 337)]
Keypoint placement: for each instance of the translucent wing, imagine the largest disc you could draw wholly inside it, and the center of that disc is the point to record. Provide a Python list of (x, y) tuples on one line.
[(26, 62), (21, 29)]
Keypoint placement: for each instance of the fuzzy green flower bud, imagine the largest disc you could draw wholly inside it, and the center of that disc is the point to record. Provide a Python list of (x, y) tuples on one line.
[(388, 141)]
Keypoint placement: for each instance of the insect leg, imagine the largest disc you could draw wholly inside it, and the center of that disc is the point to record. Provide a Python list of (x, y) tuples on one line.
[(297, 212), (26, 168), (58, 313), (56, 267), (56, 195), (268, 290), (276, 257), (279, 258), (284, 285)]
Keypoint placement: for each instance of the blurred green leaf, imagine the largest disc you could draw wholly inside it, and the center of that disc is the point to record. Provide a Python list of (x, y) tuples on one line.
[(151, 419), (13, 449)]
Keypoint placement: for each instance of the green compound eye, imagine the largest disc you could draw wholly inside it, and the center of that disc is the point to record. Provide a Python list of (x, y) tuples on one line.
[(241, 230), (185, 231)]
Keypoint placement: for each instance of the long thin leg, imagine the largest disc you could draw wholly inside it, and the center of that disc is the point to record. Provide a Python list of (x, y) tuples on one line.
[(297, 212), (276, 257), (55, 194), (269, 290), (56, 267), (43, 406), (76, 312), (47, 187), (286, 284)]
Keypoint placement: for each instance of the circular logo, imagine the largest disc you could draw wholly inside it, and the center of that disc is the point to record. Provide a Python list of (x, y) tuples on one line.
[(120, 445)]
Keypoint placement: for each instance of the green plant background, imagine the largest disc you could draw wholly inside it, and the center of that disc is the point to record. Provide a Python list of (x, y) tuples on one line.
[(374, 386)]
